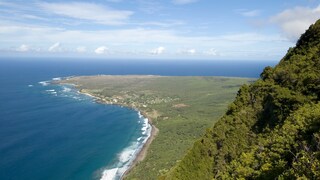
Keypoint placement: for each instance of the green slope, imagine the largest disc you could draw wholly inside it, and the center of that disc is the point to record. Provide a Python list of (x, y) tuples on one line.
[(271, 130), (180, 107)]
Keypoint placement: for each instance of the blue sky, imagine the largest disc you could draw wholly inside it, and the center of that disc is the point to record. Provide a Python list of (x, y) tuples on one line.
[(166, 29)]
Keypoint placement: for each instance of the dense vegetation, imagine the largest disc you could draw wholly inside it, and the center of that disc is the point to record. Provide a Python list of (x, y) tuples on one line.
[(271, 130), (180, 107)]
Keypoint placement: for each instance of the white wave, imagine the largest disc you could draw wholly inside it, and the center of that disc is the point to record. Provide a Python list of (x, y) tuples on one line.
[(77, 98), (145, 126), (44, 83), (147, 132), (56, 79), (109, 174), (51, 91), (30, 85), (144, 130), (140, 115), (127, 156), (66, 89)]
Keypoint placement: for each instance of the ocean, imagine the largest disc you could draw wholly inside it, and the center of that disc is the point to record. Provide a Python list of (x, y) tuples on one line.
[(52, 132)]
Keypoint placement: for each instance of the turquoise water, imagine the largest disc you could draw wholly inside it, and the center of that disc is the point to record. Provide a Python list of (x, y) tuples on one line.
[(53, 132)]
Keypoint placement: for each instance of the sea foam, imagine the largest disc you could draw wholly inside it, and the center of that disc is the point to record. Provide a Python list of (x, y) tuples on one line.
[(44, 83), (66, 89), (127, 156), (109, 174), (56, 79)]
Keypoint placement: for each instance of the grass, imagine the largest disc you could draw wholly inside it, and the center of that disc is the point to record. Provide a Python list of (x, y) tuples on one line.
[(180, 107)]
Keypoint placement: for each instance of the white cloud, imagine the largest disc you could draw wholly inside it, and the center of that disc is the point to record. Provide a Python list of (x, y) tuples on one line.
[(23, 48), (252, 13), (211, 52), (135, 37), (187, 51), (56, 47), (160, 24), (293, 22), (88, 11), (191, 51), (139, 41), (81, 49), (159, 50), (32, 17), (184, 1), (101, 50)]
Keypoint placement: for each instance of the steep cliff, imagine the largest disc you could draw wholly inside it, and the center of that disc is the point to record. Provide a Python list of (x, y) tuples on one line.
[(271, 130)]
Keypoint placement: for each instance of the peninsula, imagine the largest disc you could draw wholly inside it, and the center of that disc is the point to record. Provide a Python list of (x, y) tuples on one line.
[(179, 108)]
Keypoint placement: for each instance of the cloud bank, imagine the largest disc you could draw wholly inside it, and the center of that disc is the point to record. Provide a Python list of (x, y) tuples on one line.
[(101, 50), (81, 49), (56, 47), (157, 51), (23, 48), (293, 22), (87, 11), (187, 51)]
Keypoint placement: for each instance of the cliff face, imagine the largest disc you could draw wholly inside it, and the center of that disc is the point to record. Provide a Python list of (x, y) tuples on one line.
[(271, 130)]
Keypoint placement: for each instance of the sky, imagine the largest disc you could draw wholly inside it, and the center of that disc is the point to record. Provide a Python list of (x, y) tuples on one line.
[(154, 29)]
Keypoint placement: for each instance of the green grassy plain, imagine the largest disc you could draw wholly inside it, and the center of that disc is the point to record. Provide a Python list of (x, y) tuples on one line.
[(181, 107)]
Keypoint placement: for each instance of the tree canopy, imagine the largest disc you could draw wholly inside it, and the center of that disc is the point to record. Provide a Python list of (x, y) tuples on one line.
[(271, 130)]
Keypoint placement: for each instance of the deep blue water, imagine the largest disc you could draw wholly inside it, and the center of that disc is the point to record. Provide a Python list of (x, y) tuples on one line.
[(52, 132)]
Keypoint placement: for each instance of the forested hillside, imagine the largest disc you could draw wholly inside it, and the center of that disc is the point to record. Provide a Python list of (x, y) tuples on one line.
[(271, 130)]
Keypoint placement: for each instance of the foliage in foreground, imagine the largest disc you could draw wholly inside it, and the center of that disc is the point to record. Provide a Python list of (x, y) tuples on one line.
[(271, 130)]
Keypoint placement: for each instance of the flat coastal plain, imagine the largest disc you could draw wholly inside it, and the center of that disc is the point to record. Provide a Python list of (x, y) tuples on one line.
[(180, 108)]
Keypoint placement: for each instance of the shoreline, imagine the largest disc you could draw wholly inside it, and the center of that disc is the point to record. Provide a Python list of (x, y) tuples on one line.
[(143, 151)]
